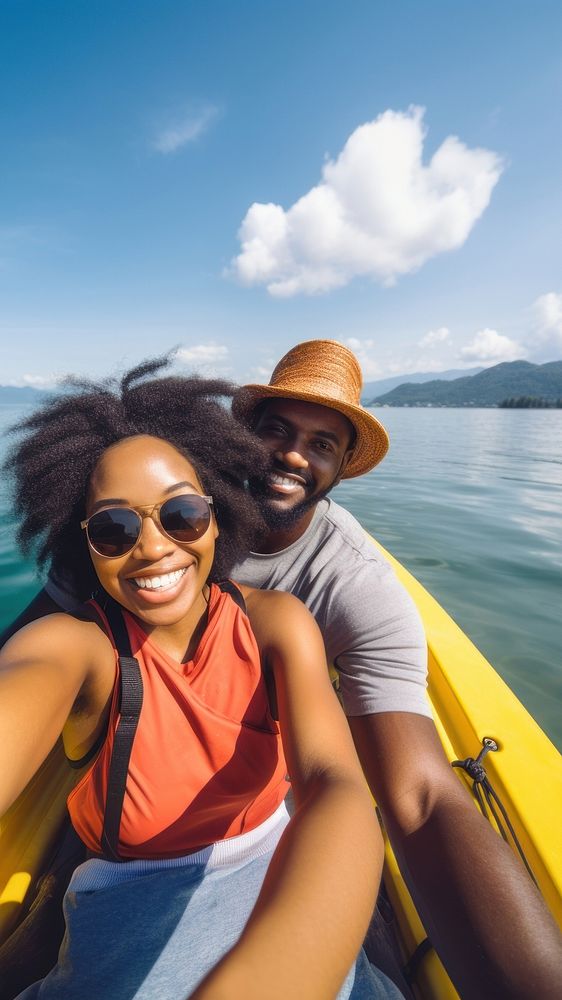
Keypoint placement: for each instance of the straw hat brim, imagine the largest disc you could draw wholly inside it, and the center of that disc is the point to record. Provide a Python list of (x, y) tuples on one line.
[(371, 443)]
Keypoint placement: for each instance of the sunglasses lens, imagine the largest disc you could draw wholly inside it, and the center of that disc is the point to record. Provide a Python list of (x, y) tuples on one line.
[(114, 531), (185, 518)]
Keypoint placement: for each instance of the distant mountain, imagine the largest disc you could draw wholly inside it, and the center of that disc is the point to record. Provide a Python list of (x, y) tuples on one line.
[(374, 390), (21, 394), (489, 388)]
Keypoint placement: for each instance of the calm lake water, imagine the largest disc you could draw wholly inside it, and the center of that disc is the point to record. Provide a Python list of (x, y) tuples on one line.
[(471, 502)]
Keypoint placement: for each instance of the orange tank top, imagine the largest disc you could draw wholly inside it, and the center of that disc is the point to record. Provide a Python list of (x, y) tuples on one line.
[(207, 761)]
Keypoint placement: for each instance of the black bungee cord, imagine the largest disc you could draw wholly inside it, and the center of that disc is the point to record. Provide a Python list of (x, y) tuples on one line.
[(488, 799), (489, 802)]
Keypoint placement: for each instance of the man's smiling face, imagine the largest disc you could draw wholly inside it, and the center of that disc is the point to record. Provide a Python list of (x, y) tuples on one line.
[(310, 446)]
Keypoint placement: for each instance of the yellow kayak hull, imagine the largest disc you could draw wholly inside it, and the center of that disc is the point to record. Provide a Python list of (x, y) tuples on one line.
[(470, 701)]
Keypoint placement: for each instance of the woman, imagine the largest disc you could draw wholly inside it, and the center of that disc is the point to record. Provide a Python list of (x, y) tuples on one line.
[(198, 884)]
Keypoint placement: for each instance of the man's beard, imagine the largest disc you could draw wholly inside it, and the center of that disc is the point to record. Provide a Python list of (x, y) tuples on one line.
[(279, 518)]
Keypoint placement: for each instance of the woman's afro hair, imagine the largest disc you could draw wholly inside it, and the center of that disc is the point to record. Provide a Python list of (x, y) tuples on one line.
[(61, 443)]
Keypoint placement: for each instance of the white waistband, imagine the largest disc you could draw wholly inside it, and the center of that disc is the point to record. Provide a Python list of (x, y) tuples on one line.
[(99, 874)]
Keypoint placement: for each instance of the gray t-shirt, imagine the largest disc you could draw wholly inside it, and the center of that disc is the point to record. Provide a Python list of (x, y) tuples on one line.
[(371, 628)]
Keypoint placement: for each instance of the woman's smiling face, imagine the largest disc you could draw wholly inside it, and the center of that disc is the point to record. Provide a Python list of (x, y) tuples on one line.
[(141, 472)]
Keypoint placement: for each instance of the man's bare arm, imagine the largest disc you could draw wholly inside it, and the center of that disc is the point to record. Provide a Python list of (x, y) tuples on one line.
[(483, 914)]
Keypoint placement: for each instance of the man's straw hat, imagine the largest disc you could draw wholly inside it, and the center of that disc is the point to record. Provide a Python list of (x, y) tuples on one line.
[(327, 373)]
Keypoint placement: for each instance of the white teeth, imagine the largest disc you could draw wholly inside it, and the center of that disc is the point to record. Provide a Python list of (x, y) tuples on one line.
[(282, 480), (158, 582)]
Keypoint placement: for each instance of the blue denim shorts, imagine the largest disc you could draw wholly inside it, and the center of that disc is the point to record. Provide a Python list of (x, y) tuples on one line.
[(146, 930)]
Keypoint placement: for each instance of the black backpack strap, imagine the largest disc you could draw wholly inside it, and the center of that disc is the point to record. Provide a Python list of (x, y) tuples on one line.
[(131, 694), (228, 587)]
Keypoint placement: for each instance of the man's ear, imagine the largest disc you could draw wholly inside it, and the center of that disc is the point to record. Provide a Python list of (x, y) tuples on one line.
[(344, 462)]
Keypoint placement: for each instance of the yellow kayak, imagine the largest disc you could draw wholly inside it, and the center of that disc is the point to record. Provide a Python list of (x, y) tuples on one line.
[(470, 703)]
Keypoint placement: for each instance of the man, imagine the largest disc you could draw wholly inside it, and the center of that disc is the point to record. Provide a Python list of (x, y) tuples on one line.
[(480, 909), (310, 419)]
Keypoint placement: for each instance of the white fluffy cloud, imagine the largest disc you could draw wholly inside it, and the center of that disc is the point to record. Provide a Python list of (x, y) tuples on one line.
[(35, 381), (40, 381), (490, 347), (370, 367), (434, 337), (186, 128), (547, 314), (202, 352), (378, 211), (208, 358)]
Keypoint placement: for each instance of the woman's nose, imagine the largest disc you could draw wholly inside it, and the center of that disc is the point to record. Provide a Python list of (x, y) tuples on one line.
[(153, 542)]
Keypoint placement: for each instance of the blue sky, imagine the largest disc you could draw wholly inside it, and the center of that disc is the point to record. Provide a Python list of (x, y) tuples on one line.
[(233, 177)]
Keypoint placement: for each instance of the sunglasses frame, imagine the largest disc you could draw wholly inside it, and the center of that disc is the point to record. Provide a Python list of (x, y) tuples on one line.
[(147, 510)]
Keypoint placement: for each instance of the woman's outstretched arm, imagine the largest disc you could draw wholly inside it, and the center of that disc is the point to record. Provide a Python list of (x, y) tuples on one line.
[(318, 895), (43, 670)]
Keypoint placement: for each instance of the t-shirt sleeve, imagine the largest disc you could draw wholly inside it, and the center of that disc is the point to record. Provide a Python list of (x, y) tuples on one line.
[(375, 638)]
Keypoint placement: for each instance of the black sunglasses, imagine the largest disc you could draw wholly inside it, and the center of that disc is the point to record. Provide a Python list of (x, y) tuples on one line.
[(114, 531)]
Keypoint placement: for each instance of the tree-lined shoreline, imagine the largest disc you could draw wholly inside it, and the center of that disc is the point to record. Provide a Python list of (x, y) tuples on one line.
[(508, 381)]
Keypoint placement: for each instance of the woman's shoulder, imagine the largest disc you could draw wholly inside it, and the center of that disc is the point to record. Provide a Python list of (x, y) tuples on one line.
[(62, 636), (275, 614), (60, 623), (271, 601)]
